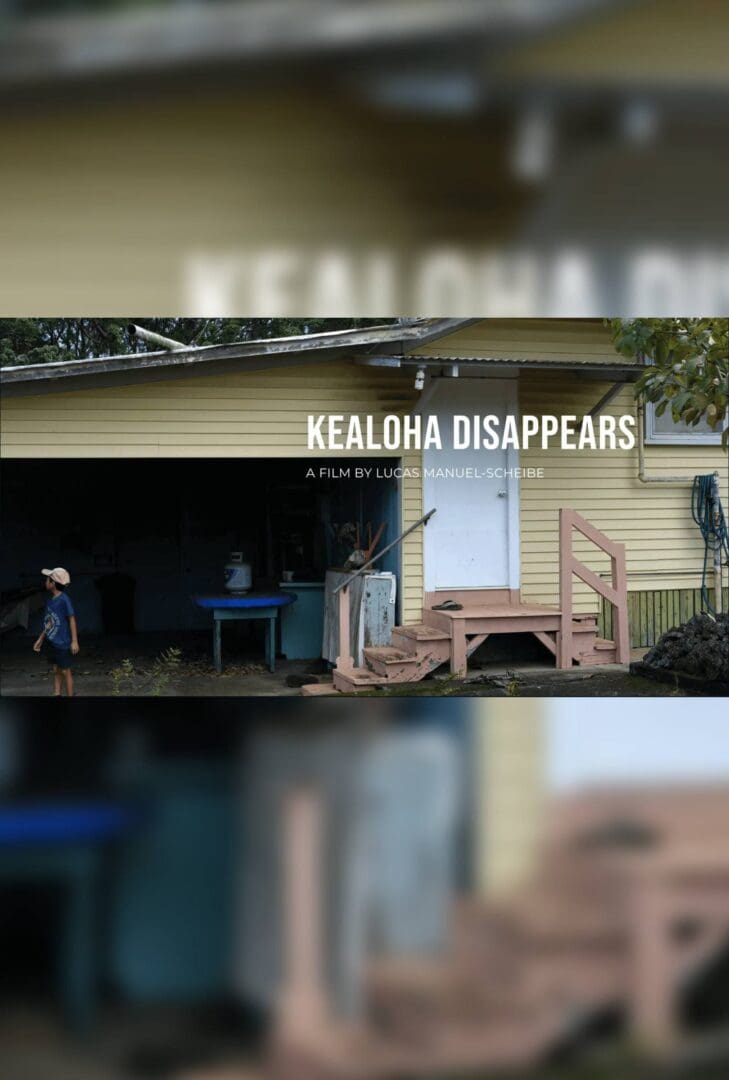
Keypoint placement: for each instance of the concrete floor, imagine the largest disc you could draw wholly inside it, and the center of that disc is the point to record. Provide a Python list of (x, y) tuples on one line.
[(23, 673), (607, 680), (154, 1043)]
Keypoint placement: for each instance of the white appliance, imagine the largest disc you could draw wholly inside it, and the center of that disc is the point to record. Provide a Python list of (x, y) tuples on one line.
[(373, 602), (391, 805)]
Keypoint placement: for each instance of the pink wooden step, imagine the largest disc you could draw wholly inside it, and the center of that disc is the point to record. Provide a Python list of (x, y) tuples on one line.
[(362, 679), (603, 643), (388, 661), (318, 689), (601, 652), (407, 638), (421, 632)]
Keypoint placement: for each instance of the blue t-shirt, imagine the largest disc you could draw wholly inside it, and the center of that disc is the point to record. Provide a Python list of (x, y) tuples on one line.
[(59, 610)]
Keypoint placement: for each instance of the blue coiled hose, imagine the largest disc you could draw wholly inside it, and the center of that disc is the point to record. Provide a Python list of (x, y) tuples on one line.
[(708, 514)]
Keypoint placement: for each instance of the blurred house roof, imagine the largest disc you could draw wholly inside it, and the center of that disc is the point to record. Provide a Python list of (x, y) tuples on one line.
[(194, 138), (163, 36), (501, 45)]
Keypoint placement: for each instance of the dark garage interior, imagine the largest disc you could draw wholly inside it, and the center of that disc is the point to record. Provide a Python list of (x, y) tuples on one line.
[(140, 538)]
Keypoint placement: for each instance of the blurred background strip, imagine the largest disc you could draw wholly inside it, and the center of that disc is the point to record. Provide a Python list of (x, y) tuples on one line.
[(423, 888), (554, 157)]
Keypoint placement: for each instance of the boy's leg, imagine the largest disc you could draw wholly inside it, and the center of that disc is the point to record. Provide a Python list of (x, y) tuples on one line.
[(68, 676), (56, 681)]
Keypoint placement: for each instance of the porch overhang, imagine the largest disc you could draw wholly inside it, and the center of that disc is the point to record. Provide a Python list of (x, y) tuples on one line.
[(612, 372)]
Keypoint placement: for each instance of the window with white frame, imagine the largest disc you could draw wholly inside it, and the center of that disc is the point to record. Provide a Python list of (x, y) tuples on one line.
[(664, 429)]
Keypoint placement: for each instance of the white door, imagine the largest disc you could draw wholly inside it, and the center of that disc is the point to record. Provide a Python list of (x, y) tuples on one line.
[(472, 542)]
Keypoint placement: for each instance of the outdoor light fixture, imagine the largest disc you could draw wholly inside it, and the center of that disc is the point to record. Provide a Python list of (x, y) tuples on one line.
[(420, 378)]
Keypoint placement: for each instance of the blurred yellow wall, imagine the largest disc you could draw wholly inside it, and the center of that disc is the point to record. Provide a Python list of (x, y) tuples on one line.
[(510, 792), (645, 42), (103, 203)]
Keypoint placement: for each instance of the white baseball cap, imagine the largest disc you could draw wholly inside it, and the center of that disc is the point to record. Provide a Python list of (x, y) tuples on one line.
[(59, 575)]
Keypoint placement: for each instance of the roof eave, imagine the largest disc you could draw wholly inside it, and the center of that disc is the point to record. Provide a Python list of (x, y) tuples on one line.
[(267, 352)]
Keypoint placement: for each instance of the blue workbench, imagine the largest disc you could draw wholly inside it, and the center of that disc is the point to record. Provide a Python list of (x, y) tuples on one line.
[(252, 605)]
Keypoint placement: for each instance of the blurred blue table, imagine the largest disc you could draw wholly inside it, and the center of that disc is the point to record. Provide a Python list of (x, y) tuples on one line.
[(252, 605), (64, 842)]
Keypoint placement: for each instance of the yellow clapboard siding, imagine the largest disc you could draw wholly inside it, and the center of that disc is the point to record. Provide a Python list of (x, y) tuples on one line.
[(629, 46), (664, 548), (547, 340), (200, 414), (411, 495), (342, 393)]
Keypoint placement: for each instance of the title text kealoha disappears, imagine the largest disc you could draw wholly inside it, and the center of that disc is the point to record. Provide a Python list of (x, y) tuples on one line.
[(416, 432)]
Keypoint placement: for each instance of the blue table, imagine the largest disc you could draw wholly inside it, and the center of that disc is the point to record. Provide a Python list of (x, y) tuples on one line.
[(252, 605), (64, 842)]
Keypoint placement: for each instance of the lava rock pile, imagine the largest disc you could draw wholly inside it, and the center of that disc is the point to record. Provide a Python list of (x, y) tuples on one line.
[(699, 647)]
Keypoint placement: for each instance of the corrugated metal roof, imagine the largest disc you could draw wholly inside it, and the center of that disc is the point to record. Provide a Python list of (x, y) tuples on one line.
[(561, 363)]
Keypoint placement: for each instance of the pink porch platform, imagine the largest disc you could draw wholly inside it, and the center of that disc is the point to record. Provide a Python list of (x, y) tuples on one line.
[(469, 628), (451, 637)]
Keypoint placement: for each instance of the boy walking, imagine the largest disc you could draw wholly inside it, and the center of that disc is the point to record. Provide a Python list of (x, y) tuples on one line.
[(59, 627)]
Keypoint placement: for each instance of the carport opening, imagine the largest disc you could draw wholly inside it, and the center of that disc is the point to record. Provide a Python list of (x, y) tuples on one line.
[(142, 537)]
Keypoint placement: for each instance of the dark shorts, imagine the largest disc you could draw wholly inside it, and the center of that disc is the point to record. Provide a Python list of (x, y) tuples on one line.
[(60, 658)]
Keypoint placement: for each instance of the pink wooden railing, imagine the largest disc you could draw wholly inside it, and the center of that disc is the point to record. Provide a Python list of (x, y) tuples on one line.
[(615, 593)]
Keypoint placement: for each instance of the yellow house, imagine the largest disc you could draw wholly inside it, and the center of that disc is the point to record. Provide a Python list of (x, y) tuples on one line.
[(239, 414)]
